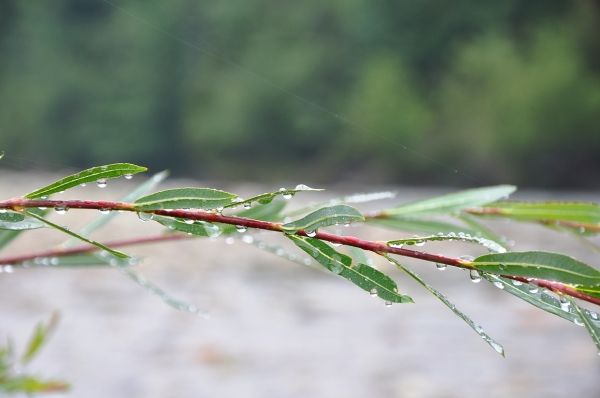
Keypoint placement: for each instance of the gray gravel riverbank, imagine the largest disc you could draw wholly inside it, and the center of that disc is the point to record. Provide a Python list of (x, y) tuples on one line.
[(278, 329)]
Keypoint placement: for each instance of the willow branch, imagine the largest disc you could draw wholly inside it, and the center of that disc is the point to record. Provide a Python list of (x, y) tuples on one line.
[(18, 204)]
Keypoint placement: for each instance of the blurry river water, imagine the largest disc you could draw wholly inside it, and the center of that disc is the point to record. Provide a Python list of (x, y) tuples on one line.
[(278, 329)]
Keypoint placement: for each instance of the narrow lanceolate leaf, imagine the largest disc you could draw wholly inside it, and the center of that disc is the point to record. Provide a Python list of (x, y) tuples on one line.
[(73, 234), (198, 228), (421, 225), (339, 214), (558, 211), (541, 265), (533, 295), (40, 335), (7, 236), (18, 222), (453, 202), (90, 175), (185, 198), (132, 195), (591, 322), (589, 290), (483, 231), (363, 276), (267, 198), (499, 349), (490, 245), (355, 198), (269, 212)]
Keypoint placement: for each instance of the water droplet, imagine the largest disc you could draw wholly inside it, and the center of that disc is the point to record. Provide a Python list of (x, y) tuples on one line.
[(420, 242), (578, 322), (373, 292), (188, 221), (2, 210), (335, 244), (104, 211), (307, 261), (594, 315), (516, 283), (247, 205), (397, 245), (145, 216), (478, 329), (467, 258), (60, 210), (499, 349), (311, 234), (564, 304), (101, 182), (220, 210), (475, 277), (240, 228), (44, 197), (499, 284), (388, 304), (229, 240), (533, 288), (54, 261), (347, 224), (129, 176), (287, 195), (441, 266)]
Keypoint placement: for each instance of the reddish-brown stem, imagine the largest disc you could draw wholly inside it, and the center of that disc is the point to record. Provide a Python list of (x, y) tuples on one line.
[(58, 251), (18, 204)]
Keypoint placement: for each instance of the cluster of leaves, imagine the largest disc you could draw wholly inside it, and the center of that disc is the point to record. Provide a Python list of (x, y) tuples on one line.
[(546, 280), (12, 378)]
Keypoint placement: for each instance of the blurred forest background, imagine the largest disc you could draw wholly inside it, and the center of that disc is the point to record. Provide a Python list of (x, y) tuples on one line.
[(505, 91)]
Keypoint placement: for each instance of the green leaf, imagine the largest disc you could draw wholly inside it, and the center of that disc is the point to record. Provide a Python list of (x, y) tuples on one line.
[(91, 242), (13, 221), (484, 232), (536, 296), (267, 198), (589, 290), (489, 244), (363, 276), (103, 219), (496, 346), (558, 211), (198, 228), (590, 321), (90, 175), (537, 264), (355, 198), (453, 202), (182, 198), (269, 212), (39, 337), (325, 217), (420, 225), (7, 236)]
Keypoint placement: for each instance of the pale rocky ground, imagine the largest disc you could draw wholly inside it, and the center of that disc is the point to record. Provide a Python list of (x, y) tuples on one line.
[(282, 330)]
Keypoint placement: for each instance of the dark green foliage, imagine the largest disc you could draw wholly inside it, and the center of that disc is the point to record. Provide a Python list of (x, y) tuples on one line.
[(509, 83)]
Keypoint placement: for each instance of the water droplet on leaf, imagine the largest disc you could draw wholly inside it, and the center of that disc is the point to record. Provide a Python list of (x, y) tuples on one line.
[(129, 176), (145, 216), (104, 211), (101, 182), (311, 234), (475, 277), (441, 266), (388, 304), (60, 210), (533, 288), (373, 292), (240, 228)]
